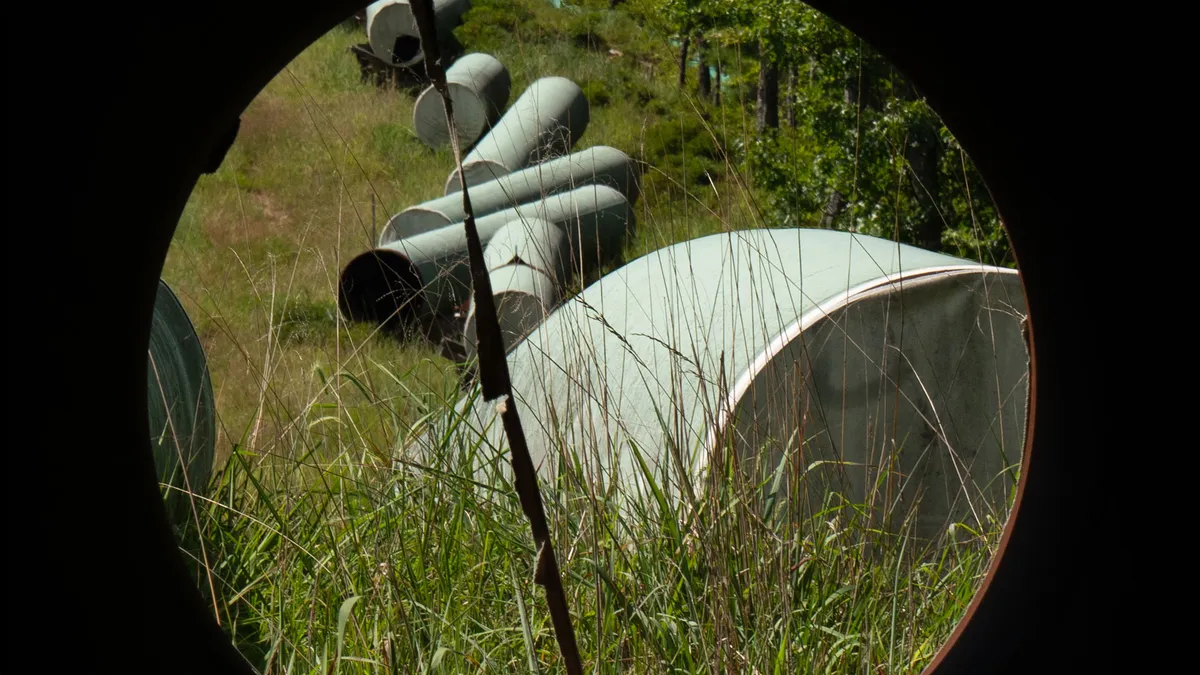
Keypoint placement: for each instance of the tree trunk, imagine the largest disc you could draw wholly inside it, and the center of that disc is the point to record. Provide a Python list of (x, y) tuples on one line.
[(767, 109), (704, 80), (683, 53), (792, 97), (717, 85), (833, 209), (870, 93), (923, 154)]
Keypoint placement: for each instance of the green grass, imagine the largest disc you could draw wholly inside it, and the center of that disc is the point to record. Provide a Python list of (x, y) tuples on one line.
[(441, 569), (319, 556)]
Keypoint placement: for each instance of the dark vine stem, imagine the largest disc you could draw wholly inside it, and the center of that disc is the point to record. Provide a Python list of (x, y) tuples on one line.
[(493, 370)]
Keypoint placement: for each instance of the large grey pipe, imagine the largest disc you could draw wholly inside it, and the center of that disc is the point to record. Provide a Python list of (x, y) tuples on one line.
[(532, 242), (527, 262), (524, 298), (392, 30), (546, 121), (430, 273), (895, 376), (179, 401), (479, 87), (599, 165)]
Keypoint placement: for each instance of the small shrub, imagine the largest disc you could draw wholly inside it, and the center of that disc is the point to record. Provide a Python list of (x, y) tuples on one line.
[(782, 170), (390, 139), (307, 321), (585, 29), (489, 24), (597, 93), (636, 87), (681, 147)]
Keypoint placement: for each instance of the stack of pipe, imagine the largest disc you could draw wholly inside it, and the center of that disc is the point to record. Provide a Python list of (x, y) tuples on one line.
[(479, 88), (528, 264), (429, 272), (392, 29), (545, 122), (598, 165), (543, 213)]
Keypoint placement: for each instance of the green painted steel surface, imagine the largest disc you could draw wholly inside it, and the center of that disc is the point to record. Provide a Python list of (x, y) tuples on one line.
[(392, 30), (599, 165), (545, 122), (527, 262), (534, 243), (179, 400), (432, 267), (524, 298), (736, 338), (479, 87)]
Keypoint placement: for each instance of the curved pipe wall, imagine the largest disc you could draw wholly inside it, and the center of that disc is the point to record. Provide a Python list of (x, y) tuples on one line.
[(599, 165), (527, 264), (546, 121), (179, 401), (524, 298), (430, 272), (479, 89), (847, 360), (392, 30), (532, 242)]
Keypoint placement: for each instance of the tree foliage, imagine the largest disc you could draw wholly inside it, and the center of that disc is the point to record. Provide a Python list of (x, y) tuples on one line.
[(863, 138)]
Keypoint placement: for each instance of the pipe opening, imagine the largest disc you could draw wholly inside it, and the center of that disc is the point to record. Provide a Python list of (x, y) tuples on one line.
[(478, 172), (405, 49), (380, 287), (413, 221), (519, 314)]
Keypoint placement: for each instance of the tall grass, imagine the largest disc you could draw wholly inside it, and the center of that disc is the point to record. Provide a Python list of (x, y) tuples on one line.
[(325, 555), (438, 565)]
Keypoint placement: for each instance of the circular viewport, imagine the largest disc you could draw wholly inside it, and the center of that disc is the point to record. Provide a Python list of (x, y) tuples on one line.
[(778, 424)]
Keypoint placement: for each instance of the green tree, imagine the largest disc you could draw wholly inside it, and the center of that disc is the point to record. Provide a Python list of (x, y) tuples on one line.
[(861, 149), (876, 158), (692, 21)]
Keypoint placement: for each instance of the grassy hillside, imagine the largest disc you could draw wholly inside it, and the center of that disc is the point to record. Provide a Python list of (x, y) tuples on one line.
[(258, 250), (318, 557)]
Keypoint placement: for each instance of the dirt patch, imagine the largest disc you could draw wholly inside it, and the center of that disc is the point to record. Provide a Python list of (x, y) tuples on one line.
[(278, 216), (243, 220), (269, 119)]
